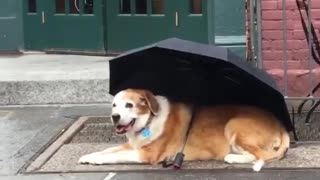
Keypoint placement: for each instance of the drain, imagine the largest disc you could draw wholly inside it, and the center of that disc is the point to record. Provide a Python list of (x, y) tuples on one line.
[(97, 130)]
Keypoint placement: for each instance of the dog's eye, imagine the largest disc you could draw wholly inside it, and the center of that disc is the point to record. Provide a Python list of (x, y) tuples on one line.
[(129, 105), (143, 99), (113, 105)]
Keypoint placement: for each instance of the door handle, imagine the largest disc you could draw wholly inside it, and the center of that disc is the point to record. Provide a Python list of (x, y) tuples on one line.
[(177, 19), (43, 17)]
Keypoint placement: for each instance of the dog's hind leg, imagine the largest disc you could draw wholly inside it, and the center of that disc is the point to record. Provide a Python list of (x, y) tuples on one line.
[(259, 154), (239, 158)]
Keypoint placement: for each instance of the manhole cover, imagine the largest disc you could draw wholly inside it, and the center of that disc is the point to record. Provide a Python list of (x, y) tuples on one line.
[(91, 134)]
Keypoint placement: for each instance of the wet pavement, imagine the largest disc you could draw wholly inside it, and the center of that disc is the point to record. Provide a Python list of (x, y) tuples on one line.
[(178, 175), (26, 131)]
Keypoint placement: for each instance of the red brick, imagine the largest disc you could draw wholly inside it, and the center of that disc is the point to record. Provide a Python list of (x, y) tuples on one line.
[(299, 35), (272, 35), (300, 55), (296, 44), (292, 55), (296, 25), (272, 55), (277, 45), (293, 15), (315, 4), (268, 5), (271, 25), (292, 24), (290, 5), (316, 25), (276, 35), (272, 15), (279, 64), (315, 14)]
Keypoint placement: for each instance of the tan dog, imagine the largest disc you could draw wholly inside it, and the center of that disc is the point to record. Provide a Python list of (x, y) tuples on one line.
[(156, 129)]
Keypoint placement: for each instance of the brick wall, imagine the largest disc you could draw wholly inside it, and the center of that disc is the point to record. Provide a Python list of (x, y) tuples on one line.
[(297, 46)]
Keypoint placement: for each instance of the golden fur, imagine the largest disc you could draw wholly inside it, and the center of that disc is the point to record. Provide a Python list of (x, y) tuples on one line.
[(216, 132)]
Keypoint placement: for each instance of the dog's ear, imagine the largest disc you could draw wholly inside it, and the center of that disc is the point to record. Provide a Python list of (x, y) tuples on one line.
[(151, 102)]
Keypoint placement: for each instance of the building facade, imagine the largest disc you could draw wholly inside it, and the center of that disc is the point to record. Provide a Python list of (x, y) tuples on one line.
[(303, 72), (114, 26)]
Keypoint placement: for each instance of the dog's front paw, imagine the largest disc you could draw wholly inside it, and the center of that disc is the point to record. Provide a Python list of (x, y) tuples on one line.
[(94, 158)]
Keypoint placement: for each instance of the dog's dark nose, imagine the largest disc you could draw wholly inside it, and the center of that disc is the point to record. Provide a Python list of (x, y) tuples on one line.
[(115, 118)]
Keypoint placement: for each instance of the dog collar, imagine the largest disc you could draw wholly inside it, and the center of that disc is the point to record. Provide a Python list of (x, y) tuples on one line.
[(145, 131)]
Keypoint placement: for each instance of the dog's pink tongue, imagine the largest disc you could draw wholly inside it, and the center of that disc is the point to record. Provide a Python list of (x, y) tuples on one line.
[(120, 129)]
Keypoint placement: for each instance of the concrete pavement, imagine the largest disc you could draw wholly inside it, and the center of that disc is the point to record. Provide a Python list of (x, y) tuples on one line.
[(53, 79), (27, 130), (177, 175)]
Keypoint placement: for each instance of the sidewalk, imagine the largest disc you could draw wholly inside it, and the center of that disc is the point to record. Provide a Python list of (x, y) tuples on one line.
[(178, 175), (25, 131), (53, 79)]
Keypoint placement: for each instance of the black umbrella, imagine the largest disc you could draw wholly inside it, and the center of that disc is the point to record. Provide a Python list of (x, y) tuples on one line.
[(198, 73)]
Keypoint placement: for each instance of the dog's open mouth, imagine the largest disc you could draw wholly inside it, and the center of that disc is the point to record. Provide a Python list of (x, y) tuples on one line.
[(121, 129)]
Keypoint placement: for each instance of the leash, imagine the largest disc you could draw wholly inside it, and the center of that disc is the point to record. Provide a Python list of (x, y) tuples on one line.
[(178, 160)]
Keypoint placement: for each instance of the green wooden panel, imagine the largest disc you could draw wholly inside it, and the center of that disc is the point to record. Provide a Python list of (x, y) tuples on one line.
[(229, 25), (35, 37), (65, 27), (131, 30), (193, 25), (229, 17), (11, 35)]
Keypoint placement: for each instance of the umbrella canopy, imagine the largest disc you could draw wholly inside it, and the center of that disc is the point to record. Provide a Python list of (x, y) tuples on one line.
[(202, 74)]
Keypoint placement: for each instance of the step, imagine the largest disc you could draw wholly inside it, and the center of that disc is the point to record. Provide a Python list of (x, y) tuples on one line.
[(53, 79)]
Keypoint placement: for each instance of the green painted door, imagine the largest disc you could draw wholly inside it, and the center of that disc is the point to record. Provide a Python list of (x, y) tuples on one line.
[(192, 20), (64, 25), (135, 23)]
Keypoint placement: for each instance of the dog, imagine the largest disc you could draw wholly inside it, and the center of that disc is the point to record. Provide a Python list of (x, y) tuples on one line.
[(156, 128)]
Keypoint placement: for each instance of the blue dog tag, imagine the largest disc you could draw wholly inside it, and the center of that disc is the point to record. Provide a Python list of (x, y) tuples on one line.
[(146, 133)]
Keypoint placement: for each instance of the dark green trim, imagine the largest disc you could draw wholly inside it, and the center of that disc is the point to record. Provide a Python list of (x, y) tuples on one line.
[(210, 9), (11, 29), (230, 40)]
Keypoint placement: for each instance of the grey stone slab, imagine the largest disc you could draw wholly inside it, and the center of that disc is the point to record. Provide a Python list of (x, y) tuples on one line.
[(90, 110), (55, 92), (54, 79), (27, 130), (51, 67), (84, 176), (65, 160), (24, 133), (178, 175), (222, 175)]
